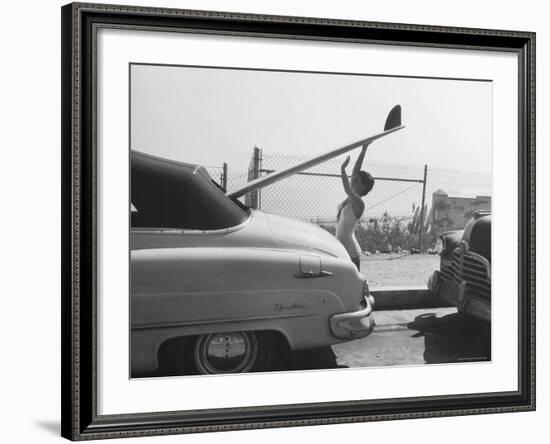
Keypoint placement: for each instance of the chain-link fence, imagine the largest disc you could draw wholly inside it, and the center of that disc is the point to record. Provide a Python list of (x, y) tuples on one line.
[(227, 178), (407, 209)]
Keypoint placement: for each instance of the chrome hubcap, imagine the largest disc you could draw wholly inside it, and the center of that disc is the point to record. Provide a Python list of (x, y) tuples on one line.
[(228, 352), (229, 345)]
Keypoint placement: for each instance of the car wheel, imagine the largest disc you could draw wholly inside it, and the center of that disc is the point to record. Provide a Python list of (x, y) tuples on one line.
[(176, 357), (226, 352)]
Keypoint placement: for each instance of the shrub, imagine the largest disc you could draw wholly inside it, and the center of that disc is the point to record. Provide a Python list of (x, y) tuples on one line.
[(389, 234)]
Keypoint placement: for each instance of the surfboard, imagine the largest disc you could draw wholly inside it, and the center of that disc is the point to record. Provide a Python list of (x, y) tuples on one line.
[(392, 124)]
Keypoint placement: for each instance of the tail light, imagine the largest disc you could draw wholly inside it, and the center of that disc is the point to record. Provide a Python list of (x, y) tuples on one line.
[(366, 291), (366, 296)]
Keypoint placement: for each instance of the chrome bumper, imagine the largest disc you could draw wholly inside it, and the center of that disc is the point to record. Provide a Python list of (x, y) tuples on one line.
[(458, 295), (354, 325)]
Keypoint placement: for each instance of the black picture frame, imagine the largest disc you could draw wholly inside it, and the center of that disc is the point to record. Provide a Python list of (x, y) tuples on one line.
[(79, 169)]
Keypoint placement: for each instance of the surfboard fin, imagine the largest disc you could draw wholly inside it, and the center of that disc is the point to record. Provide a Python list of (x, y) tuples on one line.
[(394, 118)]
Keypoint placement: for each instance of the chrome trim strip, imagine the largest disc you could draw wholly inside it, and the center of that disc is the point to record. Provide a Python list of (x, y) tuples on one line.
[(218, 321), (190, 231)]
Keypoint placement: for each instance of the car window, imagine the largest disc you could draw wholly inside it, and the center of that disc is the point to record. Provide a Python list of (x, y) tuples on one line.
[(169, 194)]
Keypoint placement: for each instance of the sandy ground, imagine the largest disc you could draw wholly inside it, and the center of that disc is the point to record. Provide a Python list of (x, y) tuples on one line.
[(385, 270), (406, 337)]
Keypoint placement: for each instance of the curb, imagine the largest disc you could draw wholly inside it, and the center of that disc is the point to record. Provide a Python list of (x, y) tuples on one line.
[(405, 298)]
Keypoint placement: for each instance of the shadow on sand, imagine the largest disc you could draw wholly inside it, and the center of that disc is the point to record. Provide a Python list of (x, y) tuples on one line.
[(453, 338)]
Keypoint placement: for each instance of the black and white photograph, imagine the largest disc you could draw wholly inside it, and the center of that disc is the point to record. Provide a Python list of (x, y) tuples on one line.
[(296, 220), (274, 221)]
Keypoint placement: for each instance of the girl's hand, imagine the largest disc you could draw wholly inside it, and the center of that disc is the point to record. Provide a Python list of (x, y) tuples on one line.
[(345, 164)]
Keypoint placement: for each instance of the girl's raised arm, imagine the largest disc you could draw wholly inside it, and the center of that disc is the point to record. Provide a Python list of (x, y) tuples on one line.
[(354, 197), (359, 161)]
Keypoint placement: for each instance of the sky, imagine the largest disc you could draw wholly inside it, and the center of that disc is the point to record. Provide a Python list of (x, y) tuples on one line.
[(209, 116), (212, 115)]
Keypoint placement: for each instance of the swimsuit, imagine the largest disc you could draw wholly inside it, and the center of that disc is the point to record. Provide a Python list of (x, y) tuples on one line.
[(345, 230)]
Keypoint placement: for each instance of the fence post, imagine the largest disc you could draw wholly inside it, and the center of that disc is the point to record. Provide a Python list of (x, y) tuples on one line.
[(252, 198), (422, 209), (224, 177), (259, 168)]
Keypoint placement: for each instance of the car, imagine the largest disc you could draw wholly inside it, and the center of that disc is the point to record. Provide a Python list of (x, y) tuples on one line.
[(464, 277), (219, 288)]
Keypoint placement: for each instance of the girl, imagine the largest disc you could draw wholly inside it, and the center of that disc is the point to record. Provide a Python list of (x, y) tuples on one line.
[(351, 209)]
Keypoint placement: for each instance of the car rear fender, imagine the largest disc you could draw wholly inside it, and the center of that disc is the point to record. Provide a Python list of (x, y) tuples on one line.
[(181, 292)]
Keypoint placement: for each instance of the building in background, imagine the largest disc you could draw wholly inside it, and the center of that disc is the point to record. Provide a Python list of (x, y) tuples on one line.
[(452, 213)]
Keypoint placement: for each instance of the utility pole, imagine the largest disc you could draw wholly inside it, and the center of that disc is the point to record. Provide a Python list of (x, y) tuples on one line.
[(422, 209)]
